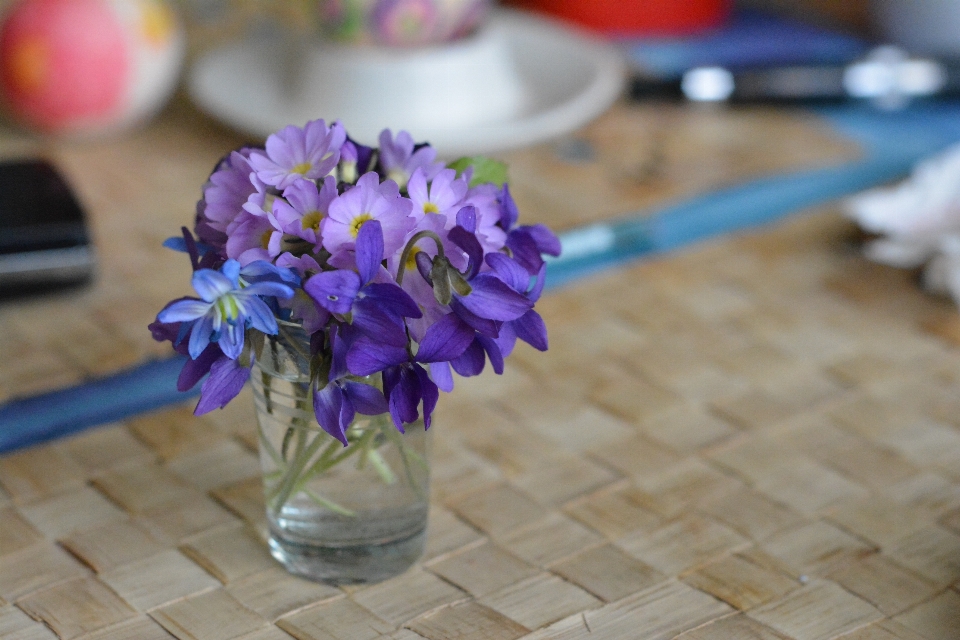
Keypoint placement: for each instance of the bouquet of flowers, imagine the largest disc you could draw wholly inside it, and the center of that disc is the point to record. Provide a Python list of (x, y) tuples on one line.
[(391, 262)]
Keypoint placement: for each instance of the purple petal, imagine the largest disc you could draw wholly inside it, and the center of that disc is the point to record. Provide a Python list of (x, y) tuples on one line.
[(445, 339), (328, 408), (365, 398), (469, 243), (194, 370), (547, 241), (471, 361), (378, 324), (507, 339), (440, 372), (515, 276), (491, 298), (524, 250), (490, 328), (391, 296), (534, 294), (467, 218), (367, 356), (493, 352), (508, 209), (531, 329), (227, 378), (405, 398), (430, 394), (334, 290), (369, 250)]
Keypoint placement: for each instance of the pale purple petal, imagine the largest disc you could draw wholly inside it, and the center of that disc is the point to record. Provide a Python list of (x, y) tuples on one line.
[(200, 336), (231, 339), (184, 310), (441, 374), (260, 315), (210, 284)]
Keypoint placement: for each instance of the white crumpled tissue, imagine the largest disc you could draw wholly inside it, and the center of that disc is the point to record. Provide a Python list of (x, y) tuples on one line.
[(918, 221)]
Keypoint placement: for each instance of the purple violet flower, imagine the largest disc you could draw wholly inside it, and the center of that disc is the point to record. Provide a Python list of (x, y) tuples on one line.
[(375, 309), (488, 301), (528, 242), (225, 310), (293, 153)]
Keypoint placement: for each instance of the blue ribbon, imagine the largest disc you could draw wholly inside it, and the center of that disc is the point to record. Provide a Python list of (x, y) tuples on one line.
[(893, 142)]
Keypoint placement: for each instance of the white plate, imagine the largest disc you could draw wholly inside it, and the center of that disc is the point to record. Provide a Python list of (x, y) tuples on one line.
[(518, 81)]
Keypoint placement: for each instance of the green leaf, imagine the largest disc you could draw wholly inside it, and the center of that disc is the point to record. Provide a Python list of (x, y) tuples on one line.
[(484, 170)]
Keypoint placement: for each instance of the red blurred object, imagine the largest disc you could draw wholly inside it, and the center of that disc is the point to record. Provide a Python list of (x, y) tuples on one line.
[(635, 17)]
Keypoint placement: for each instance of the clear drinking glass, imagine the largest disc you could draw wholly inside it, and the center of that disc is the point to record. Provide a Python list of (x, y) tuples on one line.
[(336, 514)]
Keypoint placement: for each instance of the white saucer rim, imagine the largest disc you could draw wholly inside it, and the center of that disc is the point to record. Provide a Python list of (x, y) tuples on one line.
[(595, 97)]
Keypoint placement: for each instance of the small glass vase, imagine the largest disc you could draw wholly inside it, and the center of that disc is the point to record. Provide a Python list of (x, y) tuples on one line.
[(336, 514)]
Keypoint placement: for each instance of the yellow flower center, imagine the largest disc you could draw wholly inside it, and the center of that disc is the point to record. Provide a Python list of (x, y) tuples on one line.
[(429, 207), (358, 222), (412, 259), (311, 220), (265, 239), (301, 168)]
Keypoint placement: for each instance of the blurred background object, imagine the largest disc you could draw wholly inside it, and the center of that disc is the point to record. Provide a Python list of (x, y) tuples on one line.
[(86, 67), (651, 17), (922, 26), (515, 80), (400, 23)]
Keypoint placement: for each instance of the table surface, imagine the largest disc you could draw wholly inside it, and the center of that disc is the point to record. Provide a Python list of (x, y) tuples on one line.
[(754, 437)]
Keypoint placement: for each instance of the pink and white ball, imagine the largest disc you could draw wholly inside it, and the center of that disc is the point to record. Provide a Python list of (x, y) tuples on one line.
[(86, 67)]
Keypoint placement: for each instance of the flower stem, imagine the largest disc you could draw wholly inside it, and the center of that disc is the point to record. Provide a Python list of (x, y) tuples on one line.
[(417, 237)]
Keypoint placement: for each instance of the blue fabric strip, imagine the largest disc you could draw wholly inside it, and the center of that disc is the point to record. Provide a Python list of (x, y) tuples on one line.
[(36, 419), (893, 143)]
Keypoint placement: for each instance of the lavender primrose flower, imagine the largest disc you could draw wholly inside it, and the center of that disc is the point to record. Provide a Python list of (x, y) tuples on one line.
[(303, 207), (399, 158), (294, 153), (368, 200)]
